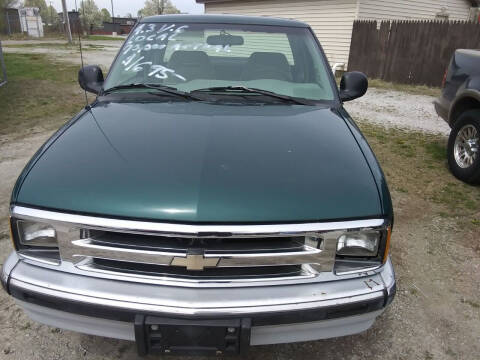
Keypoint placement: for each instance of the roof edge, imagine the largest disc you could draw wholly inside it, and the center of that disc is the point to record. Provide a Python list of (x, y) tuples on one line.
[(226, 19)]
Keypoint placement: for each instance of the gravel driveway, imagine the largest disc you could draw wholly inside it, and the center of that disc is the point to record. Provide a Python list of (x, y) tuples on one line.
[(398, 109), (435, 314)]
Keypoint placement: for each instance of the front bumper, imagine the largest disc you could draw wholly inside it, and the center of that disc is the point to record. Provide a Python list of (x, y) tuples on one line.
[(279, 314), (442, 107)]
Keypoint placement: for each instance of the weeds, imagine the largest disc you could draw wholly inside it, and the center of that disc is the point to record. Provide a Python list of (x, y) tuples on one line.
[(104, 37), (410, 89), (415, 164), (57, 45)]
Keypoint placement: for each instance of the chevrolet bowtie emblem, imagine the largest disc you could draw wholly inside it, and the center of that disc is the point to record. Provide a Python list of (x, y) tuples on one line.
[(196, 262)]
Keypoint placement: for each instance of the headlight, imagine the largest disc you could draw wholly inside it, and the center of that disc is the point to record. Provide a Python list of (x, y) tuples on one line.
[(361, 250), (36, 234), (35, 240), (359, 244)]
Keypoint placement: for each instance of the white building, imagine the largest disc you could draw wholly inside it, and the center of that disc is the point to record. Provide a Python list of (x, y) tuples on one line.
[(332, 20), (31, 21)]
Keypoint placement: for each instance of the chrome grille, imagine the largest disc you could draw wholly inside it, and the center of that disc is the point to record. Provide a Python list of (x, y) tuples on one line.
[(204, 254), (198, 254)]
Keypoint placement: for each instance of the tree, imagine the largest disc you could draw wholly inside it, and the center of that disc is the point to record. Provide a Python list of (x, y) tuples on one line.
[(42, 5), (90, 16), (157, 7), (106, 17), (52, 15), (6, 4)]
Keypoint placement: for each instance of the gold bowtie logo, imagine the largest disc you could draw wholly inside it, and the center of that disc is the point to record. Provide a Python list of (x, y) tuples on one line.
[(195, 262)]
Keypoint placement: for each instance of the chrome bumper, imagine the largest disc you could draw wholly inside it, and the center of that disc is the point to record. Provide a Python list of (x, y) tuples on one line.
[(58, 294)]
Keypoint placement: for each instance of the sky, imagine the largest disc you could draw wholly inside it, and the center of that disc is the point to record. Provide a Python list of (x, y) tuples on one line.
[(123, 7)]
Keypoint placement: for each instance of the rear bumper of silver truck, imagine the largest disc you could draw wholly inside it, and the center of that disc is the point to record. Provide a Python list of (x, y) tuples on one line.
[(275, 314)]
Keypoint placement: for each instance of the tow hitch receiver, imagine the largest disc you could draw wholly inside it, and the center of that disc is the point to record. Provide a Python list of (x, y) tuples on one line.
[(191, 337)]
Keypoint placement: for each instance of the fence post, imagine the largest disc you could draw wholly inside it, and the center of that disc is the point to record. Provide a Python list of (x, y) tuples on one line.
[(3, 80), (8, 23), (26, 23)]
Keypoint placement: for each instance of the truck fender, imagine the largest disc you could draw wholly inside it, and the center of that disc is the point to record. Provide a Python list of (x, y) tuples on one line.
[(468, 97)]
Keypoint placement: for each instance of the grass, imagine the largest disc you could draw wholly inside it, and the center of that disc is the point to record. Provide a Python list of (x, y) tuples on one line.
[(104, 37), (58, 36), (39, 93), (410, 89), (415, 164), (24, 36), (56, 45)]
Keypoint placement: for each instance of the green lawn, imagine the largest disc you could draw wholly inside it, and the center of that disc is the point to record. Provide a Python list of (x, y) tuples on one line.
[(39, 93), (56, 45), (415, 164), (104, 37)]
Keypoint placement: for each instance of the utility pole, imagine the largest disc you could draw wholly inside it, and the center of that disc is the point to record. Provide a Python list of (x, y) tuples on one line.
[(66, 22), (51, 14), (113, 14), (113, 20), (160, 7)]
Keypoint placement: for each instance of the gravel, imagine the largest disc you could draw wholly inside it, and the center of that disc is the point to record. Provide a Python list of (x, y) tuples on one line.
[(398, 109)]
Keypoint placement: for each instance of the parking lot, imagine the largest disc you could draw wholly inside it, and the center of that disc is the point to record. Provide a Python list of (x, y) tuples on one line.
[(435, 246)]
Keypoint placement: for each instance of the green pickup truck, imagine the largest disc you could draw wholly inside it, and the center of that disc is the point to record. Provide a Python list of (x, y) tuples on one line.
[(216, 195)]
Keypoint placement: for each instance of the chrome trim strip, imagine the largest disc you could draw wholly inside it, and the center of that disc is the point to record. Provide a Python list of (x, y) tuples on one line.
[(144, 307), (77, 253), (77, 250), (199, 283), (23, 255), (359, 271), (308, 276), (189, 230)]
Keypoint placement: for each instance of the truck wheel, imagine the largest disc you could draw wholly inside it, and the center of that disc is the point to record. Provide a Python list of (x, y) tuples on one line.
[(464, 147)]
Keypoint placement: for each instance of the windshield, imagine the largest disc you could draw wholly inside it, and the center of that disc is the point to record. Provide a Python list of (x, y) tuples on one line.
[(189, 57)]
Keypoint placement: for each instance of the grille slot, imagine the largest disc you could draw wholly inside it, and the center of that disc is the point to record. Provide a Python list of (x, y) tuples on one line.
[(175, 244), (264, 272)]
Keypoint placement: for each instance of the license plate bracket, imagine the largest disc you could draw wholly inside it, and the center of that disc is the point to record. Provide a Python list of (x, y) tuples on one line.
[(160, 335)]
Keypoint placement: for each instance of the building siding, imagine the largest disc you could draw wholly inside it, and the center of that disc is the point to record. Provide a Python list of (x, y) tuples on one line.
[(331, 20), (412, 9)]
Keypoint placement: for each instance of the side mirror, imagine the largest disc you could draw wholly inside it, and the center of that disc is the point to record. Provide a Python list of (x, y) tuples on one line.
[(353, 85), (91, 79)]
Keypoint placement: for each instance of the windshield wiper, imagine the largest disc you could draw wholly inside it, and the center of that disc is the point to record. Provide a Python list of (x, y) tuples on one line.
[(245, 89), (164, 88)]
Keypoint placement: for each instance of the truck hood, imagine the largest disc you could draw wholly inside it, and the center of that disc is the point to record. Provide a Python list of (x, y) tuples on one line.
[(197, 162)]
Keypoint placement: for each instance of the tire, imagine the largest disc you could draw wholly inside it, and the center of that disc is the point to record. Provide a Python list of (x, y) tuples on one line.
[(464, 147)]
